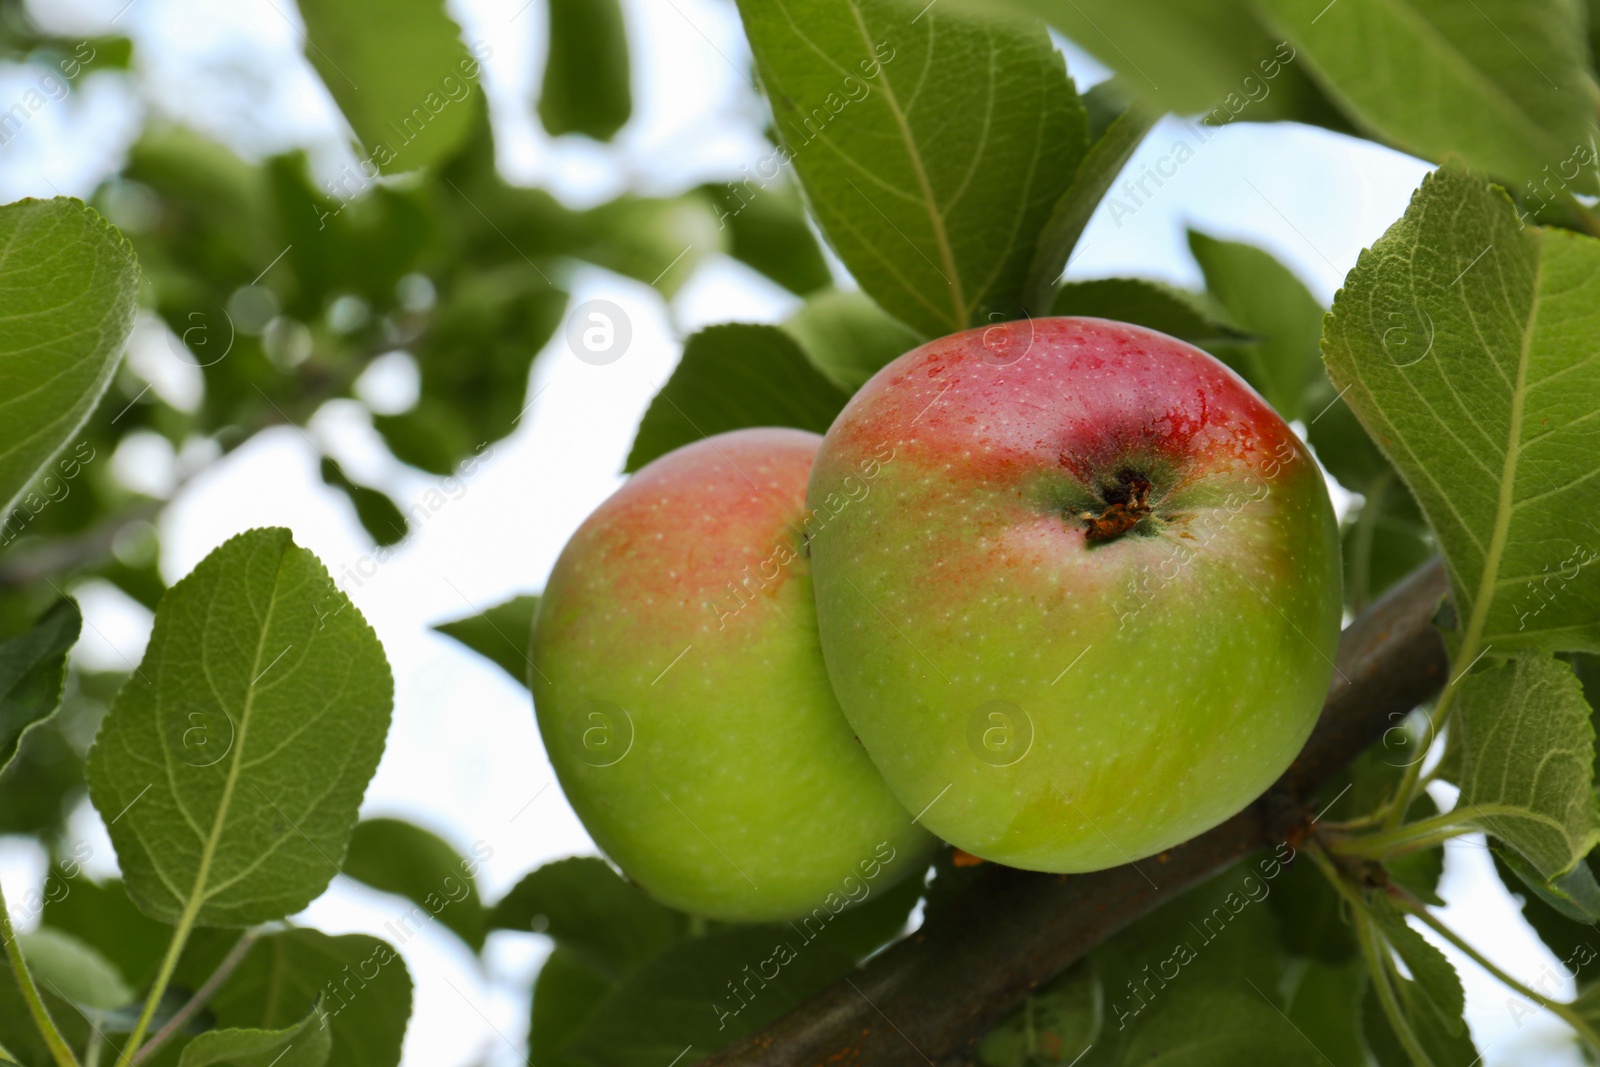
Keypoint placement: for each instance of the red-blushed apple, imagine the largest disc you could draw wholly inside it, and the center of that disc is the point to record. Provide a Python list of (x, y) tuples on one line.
[(1089, 607), (682, 697)]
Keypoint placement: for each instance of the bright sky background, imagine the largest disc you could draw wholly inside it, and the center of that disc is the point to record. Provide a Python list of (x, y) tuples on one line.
[(464, 757)]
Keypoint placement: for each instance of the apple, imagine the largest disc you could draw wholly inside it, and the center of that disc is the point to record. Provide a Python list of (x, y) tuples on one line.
[(1089, 605), (681, 694)]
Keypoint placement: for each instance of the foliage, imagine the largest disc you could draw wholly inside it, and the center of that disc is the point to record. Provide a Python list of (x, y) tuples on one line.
[(949, 160)]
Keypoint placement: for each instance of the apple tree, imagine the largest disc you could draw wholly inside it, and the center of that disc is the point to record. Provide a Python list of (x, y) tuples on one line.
[(945, 159)]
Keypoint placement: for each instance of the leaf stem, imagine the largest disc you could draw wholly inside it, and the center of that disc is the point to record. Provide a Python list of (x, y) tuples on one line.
[(180, 937), (201, 998), (1412, 837), (30, 993), (1413, 906), (1412, 780), (1377, 957)]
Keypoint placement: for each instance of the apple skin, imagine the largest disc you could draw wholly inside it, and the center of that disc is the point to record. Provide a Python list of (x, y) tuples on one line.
[(717, 770), (1150, 684)]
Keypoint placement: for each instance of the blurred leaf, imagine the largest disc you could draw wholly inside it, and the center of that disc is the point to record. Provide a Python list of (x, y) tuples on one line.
[(360, 983), (767, 229), (42, 784), (1192, 56), (103, 915), (306, 1045), (232, 764), (1575, 896), (1310, 916), (1055, 1025), (67, 285), (1489, 433), (32, 667), (733, 376), (659, 242), (1101, 164), (1524, 751), (686, 1002), (877, 920), (1154, 305), (1265, 298), (1384, 540), (398, 857), (848, 337), (357, 239), (1217, 1026), (74, 970), (565, 994), (1503, 84), (475, 360), (1219, 935), (380, 516), (398, 71), (602, 921), (501, 634), (586, 79), (933, 190), (1325, 1007)]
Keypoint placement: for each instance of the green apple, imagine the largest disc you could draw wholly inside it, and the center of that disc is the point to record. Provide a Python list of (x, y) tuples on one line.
[(1089, 605), (683, 701)]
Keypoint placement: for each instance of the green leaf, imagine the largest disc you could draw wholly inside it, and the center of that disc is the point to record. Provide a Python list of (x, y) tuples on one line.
[(602, 921), (306, 1045), (565, 994), (1057, 1022), (1325, 1006), (702, 994), (360, 984), (398, 71), (733, 376), (932, 189), (848, 337), (1217, 1026), (1443, 1047), (474, 359), (501, 634), (67, 285), (74, 970), (880, 918), (33, 666), (1524, 752), (1100, 166), (586, 80), (1191, 56), (1434, 981), (1155, 305), (1384, 539), (398, 857), (232, 763), (380, 516), (659, 242), (1503, 84), (1462, 342), (102, 915), (767, 229), (1265, 298), (1574, 895)]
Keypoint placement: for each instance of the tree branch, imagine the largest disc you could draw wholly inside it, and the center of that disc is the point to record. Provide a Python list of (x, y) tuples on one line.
[(929, 998)]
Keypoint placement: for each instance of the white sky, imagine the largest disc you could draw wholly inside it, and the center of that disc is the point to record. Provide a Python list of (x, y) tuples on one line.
[(464, 757)]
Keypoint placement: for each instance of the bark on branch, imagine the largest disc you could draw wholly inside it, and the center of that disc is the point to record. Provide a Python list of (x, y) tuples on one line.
[(928, 999)]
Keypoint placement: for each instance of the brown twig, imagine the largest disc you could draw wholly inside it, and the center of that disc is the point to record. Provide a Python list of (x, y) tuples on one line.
[(929, 998)]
